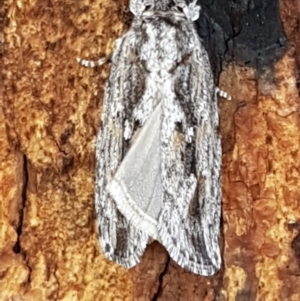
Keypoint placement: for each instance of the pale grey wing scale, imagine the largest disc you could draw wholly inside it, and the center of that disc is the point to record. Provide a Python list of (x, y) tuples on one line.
[(120, 241), (189, 223)]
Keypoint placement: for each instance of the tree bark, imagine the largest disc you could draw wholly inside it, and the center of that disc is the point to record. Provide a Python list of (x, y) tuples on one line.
[(50, 114)]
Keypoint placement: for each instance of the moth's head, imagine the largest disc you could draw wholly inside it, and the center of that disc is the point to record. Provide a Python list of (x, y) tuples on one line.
[(137, 7)]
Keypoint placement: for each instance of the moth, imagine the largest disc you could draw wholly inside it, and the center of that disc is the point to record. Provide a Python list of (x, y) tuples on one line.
[(158, 151)]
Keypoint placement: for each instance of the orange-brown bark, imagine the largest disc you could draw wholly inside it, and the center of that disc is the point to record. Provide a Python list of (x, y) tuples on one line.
[(51, 111)]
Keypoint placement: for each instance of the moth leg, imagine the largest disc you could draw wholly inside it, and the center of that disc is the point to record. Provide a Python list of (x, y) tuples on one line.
[(222, 93), (92, 64)]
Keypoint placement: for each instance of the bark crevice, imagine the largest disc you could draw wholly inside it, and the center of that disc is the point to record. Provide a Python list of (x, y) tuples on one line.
[(17, 247), (161, 279)]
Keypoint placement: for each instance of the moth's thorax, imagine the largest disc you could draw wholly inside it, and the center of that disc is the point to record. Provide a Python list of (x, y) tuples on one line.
[(161, 48), (160, 52)]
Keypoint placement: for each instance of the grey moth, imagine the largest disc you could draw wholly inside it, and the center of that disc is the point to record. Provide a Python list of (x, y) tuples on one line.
[(158, 150)]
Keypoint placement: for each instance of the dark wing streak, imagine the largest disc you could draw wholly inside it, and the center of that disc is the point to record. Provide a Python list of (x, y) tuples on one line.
[(191, 236), (120, 241), (208, 160)]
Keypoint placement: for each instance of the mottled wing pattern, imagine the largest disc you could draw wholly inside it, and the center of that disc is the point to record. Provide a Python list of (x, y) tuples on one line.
[(120, 241), (189, 223), (162, 60)]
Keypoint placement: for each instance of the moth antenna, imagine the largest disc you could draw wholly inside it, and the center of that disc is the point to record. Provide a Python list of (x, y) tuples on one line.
[(94, 63), (223, 93)]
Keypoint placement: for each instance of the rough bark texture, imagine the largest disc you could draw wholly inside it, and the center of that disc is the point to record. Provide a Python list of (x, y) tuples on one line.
[(50, 113)]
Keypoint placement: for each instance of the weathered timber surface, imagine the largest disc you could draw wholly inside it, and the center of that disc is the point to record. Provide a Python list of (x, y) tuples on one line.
[(49, 115)]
